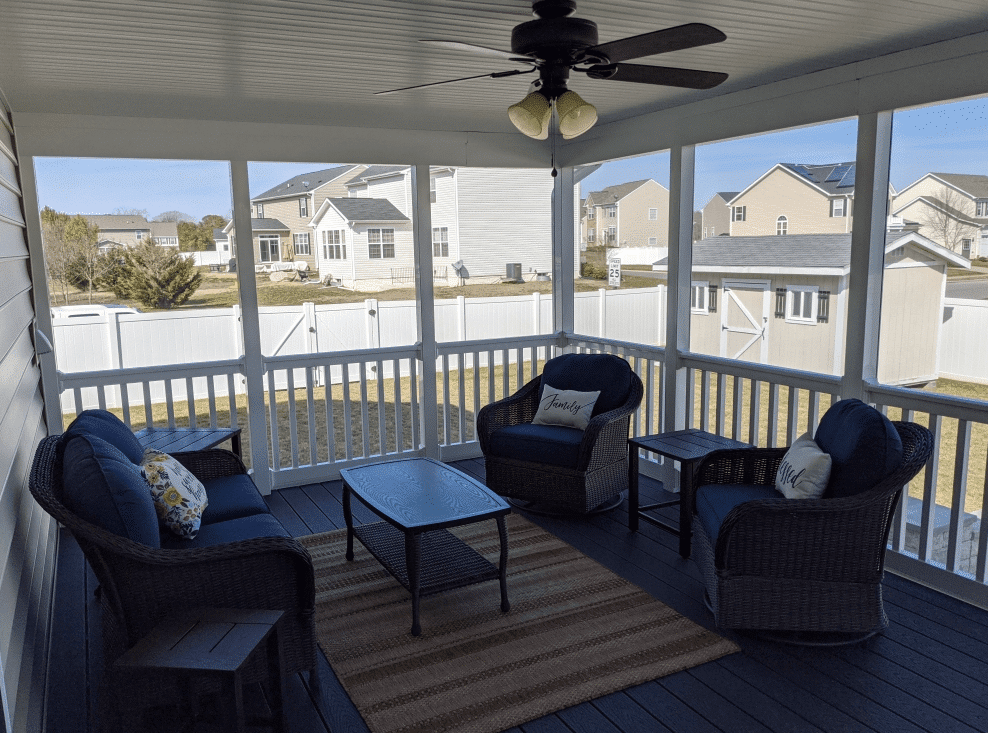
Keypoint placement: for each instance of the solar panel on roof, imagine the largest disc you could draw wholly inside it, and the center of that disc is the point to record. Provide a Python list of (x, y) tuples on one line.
[(804, 171), (848, 180), (837, 173)]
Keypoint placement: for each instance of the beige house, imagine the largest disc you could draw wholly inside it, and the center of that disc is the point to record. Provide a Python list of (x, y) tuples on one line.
[(715, 217), (293, 203), (755, 300), (272, 240), (795, 199), (949, 208), (634, 214), (129, 230)]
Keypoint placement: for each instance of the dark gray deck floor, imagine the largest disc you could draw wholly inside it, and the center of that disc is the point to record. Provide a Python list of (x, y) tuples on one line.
[(927, 672)]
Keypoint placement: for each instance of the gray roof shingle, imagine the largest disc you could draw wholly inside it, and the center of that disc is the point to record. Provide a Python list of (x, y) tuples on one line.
[(110, 222), (372, 171), (975, 185), (368, 210), (612, 194), (296, 186), (267, 225)]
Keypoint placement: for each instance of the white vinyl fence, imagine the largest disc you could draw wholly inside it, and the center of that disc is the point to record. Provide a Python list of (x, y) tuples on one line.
[(115, 341), (963, 346)]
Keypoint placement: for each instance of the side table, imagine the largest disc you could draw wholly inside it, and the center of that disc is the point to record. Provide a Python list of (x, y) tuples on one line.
[(207, 642), (687, 447), (174, 440)]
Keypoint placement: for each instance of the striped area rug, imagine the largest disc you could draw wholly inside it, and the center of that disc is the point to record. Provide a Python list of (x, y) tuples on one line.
[(575, 631)]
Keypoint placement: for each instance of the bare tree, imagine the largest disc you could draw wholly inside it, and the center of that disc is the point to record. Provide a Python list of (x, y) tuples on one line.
[(88, 266), (176, 216), (944, 222), (58, 251), (124, 211)]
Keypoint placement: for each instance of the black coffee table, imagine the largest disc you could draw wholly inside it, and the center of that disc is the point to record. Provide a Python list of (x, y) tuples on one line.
[(418, 498)]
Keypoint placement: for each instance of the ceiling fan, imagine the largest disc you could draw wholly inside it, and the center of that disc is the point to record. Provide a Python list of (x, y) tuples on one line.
[(554, 44)]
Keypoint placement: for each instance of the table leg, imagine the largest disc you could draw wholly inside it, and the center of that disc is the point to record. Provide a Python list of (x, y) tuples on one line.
[(275, 680), (348, 516), (235, 444), (633, 489), (685, 507), (503, 534), (413, 558)]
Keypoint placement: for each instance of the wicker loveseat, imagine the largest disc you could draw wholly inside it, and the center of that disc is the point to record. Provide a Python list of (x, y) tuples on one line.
[(241, 558), (561, 467), (805, 565)]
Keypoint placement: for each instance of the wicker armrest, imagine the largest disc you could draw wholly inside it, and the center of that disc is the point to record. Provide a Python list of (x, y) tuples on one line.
[(514, 410), (605, 439), (211, 463)]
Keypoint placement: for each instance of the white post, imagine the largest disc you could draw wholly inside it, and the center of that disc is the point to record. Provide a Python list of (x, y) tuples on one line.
[(602, 312), (425, 310), (563, 251), (660, 291), (250, 322), (372, 323), (536, 312), (864, 302)]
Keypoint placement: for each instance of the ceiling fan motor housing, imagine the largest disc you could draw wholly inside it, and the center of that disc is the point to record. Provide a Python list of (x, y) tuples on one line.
[(554, 39)]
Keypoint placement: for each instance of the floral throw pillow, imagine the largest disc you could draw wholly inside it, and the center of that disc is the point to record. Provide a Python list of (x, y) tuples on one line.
[(569, 408), (179, 497)]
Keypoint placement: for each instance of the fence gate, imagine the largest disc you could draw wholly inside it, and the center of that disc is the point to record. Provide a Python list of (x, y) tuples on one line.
[(744, 320)]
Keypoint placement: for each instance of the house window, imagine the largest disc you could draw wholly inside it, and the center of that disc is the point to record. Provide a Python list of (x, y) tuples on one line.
[(838, 207), (698, 296), (590, 212), (260, 211), (380, 243), (801, 304), (611, 235), (782, 225), (440, 242), (432, 189), (712, 231), (303, 206), (653, 214), (981, 208), (653, 241), (333, 245), (139, 235), (270, 245), (739, 213), (302, 242), (611, 212), (590, 235)]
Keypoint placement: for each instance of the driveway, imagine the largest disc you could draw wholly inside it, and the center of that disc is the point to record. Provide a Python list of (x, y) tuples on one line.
[(971, 289)]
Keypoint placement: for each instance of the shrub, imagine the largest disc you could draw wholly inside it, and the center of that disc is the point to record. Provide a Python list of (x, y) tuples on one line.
[(156, 276), (592, 271)]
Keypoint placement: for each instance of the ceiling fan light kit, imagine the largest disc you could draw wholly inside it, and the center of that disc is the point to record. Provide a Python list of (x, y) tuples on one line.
[(554, 44)]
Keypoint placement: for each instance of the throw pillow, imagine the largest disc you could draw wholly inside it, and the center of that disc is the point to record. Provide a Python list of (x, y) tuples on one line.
[(179, 497), (568, 408), (804, 471)]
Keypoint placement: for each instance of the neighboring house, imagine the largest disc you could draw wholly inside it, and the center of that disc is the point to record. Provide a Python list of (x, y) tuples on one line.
[(219, 253), (792, 198), (950, 208), (715, 217), (271, 240), (787, 306), (363, 239), (128, 230), (634, 214), (293, 202)]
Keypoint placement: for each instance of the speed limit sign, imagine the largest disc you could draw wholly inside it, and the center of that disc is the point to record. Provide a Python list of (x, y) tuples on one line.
[(614, 273)]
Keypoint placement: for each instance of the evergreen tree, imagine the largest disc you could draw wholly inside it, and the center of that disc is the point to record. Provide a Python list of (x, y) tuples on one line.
[(156, 276)]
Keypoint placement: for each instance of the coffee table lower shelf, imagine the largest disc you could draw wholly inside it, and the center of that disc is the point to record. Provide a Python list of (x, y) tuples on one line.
[(445, 561)]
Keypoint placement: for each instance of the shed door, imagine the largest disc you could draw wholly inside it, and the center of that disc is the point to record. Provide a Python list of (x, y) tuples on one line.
[(744, 320)]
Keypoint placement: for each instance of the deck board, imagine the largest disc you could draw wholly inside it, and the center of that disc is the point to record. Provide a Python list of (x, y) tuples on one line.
[(927, 673)]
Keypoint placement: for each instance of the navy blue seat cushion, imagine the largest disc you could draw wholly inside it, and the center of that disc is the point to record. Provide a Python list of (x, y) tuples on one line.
[(231, 497), (108, 427), (232, 530), (556, 445), (715, 501), (863, 444), (588, 373), (101, 485)]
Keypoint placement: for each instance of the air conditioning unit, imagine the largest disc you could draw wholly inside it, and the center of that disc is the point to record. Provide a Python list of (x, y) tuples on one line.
[(513, 271)]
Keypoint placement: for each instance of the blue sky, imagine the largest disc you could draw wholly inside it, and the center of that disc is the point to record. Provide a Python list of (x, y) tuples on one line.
[(946, 138)]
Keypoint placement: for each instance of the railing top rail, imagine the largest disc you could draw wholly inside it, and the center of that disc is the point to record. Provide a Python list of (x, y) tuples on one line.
[(629, 347), (152, 373), (324, 358), (826, 383), (936, 403), (515, 342)]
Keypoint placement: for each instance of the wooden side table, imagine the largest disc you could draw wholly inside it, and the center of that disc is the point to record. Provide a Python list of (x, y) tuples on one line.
[(687, 447), (206, 642)]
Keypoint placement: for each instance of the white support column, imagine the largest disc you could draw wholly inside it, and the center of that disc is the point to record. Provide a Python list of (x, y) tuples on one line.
[(425, 310), (682, 162), (250, 323), (864, 301), (563, 251)]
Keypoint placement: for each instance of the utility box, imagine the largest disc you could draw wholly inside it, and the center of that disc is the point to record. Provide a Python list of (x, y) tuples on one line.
[(513, 271)]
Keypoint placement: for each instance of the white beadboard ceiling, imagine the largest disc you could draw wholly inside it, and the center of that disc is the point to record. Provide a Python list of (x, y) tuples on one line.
[(319, 61)]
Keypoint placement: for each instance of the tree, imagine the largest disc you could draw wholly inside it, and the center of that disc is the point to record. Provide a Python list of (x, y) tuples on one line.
[(58, 254), (213, 221), (944, 222), (177, 216), (87, 266), (124, 211), (156, 276)]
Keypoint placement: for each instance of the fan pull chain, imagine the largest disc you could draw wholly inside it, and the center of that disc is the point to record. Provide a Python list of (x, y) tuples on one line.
[(552, 134)]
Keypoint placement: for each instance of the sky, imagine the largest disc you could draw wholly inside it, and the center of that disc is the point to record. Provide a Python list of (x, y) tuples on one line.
[(949, 138)]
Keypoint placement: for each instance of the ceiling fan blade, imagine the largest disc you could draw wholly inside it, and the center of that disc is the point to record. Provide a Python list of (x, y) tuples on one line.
[(471, 48), (690, 35), (661, 75), (495, 75)]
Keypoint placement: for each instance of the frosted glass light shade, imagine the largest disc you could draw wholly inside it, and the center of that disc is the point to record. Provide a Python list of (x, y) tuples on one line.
[(532, 115), (575, 115)]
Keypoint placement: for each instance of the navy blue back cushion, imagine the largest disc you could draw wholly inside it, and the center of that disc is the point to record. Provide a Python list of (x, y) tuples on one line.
[(107, 426), (863, 444), (102, 486), (588, 373)]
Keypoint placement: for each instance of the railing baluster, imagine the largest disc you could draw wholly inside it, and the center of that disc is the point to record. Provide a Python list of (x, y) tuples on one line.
[(792, 418), (148, 414), (292, 418), (347, 414), (476, 391), (959, 499), (721, 402), (211, 395), (900, 518), (190, 401), (490, 377), (649, 395), (519, 368), (231, 399), (396, 386), (461, 399), (170, 403), (813, 412), (505, 372), (755, 412), (690, 398), (310, 409), (925, 551), (77, 397), (364, 409), (737, 418), (773, 415), (330, 420), (273, 423), (381, 409), (416, 415), (705, 401), (101, 397), (446, 426), (125, 402), (982, 567)]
